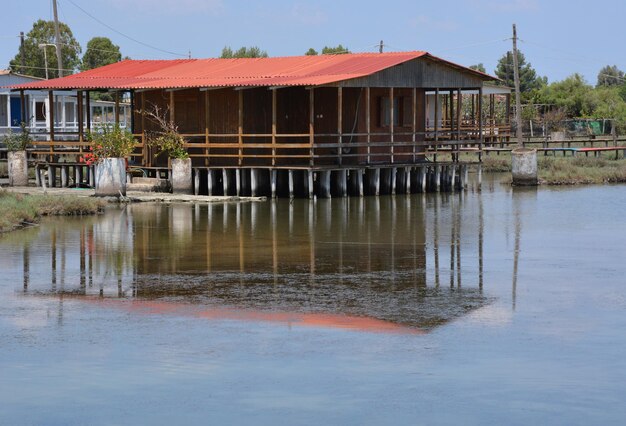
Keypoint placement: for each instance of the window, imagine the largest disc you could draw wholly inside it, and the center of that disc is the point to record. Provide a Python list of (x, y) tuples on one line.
[(384, 116), (4, 112), (69, 113), (40, 111)]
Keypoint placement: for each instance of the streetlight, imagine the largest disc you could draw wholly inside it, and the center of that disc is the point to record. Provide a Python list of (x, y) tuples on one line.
[(45, 54)]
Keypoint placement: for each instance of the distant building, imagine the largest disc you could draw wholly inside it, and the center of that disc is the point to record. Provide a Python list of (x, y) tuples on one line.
[(36, 106)]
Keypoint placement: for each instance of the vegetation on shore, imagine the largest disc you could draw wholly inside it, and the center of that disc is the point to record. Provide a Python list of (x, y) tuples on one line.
[(18, 210), (566, 170)]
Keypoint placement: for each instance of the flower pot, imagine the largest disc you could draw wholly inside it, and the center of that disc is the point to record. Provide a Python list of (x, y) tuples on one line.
[(524, 166), (18, 168), (181, 176), (110, 177)]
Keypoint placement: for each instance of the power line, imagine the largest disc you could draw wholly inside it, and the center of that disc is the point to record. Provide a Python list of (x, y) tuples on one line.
[(124, 35)]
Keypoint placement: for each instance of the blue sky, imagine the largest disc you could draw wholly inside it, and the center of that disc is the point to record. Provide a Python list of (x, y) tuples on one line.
[(558, 37)]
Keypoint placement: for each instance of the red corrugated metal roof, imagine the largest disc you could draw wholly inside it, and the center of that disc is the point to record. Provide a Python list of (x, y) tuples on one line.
[(190, 73)]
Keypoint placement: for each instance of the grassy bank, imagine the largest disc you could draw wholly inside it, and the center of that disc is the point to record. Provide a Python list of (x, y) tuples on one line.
[(567, 170), (17, 210)]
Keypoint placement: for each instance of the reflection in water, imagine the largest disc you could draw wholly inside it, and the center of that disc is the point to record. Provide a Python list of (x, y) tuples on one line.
[(359, 263)]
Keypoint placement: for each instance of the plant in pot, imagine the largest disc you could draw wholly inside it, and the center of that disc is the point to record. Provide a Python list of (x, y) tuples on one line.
[(167, 140), (16, 144), (110, 146)]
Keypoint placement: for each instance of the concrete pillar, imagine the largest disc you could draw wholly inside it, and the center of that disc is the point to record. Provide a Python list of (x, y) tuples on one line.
[(373, 181), (182, 177), (465, 176), (273, 173), (37, 176), (480, 176), (324, 183), (524, 166), (359, 174), (18, 168), (110, 177), (438, 178), (254, 182), (423, 178)]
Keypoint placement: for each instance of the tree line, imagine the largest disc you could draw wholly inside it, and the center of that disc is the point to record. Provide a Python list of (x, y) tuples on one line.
[(572, 97)]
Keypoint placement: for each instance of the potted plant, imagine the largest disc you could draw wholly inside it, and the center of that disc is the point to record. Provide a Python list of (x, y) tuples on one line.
[(167, 140), (110, 145), (16, 144)]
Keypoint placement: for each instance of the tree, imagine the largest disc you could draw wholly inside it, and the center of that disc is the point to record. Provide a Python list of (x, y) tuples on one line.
[(529, 81), (570, 94), (100, 51), (243, 52), (338, 50), (311, 52), (479, 67), (610, 76), (43, 33)]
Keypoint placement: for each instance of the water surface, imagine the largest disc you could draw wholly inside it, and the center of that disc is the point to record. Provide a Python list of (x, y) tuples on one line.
[(493, 307)]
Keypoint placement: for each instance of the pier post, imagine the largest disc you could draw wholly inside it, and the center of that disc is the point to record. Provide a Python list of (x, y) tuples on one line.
[(309, 180), (273, 182), (359, 179), (423, 173), (290, 183), (480, 176), (92, 177), (453, 178), (238, 181), (465, 176), (37, 176), (254, 182), (196, 181), (51, 177), (226, 180), (407, 179), (438, 178), (210, 182), (63, 176), (341, 177), (325, 183)]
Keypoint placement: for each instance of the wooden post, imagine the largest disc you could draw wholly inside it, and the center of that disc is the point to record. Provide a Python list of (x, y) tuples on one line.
[(391, 119), (172, 107), (22, 108), (146, 154), (340, 123), (240, 127), (480, 124), (459, 117), (368, 120), (414, 124), (80, 113), (451, 106), (207, 116), (274, 113), (51, 117), (436, 115), (117, 108), (88, 110), (311, 126), (132, 111)]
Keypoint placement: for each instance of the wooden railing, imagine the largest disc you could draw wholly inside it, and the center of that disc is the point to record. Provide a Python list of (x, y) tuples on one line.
[(301, 149)]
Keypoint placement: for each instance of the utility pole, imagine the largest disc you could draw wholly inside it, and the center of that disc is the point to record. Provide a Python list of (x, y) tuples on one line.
[(22, 54), (518, 100), (57, 36), (380, 47)]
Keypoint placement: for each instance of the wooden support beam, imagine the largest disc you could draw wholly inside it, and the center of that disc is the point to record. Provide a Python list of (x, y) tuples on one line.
[(51, 115), (117, 108), (414, 123), (311, 126), (459, 114), (391, 120), (207, 116), (22, 109), (436, 115), (240, 126), (340, 122), (480, 123), (147, 158), (172, 106), (274, 113), (88, 109), (80, 113), (368, 120)]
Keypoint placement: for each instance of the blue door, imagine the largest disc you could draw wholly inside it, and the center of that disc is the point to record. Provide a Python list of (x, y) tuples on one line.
[(16, 112)]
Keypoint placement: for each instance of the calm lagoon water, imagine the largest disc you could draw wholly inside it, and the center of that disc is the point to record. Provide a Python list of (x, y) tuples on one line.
[(498, 307)]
